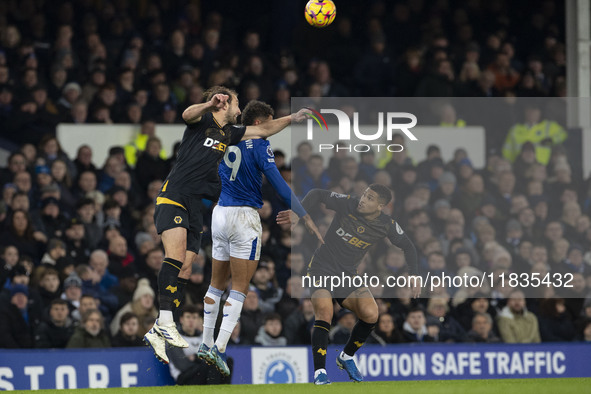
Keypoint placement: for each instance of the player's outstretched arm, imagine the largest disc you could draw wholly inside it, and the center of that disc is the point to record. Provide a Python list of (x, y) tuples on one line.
[(291, 218), (272, 127), (315, 197), (194, 113)]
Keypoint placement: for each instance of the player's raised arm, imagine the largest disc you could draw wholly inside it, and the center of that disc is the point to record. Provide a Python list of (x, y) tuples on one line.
[(194, 113), (272, 127)]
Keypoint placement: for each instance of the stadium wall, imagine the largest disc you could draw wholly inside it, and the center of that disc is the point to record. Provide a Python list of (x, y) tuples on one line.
[(84, 368)]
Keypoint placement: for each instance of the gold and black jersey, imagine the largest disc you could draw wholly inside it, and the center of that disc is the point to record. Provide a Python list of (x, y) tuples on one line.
[(350, 235), (195, 171)]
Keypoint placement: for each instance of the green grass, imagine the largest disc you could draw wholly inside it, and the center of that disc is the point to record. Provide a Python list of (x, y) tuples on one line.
[(504, 386)]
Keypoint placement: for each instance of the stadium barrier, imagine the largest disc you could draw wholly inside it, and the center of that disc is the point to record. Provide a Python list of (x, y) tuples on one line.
[(84, 368)]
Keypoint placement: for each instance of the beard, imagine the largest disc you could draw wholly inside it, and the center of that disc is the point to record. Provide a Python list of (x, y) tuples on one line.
[(230, 119), (93, 331)]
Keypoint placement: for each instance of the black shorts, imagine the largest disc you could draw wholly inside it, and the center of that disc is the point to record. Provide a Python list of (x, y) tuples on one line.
[(175, 210), (339, 294)]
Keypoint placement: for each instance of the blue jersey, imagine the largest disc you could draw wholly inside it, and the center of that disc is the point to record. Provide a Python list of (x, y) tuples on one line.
[(241, 172)]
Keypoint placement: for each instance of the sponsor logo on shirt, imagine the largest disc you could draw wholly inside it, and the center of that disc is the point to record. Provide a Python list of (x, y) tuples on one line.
[(351, 240), (215, 144)]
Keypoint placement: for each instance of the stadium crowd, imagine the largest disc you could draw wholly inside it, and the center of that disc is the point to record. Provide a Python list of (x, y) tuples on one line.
[(78, 247)]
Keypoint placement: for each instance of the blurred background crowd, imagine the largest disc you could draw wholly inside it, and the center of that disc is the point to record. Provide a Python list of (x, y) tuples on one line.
[(78, 247)]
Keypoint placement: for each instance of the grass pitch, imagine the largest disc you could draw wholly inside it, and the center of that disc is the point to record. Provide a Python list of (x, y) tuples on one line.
[(505, 386)]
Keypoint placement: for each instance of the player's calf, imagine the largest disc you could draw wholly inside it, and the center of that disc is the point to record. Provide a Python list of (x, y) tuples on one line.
[(168, 294), (319, 349), (211, 306), (231, 312)]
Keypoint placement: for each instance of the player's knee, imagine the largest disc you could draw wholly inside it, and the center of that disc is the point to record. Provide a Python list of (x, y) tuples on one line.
[(370, 316)]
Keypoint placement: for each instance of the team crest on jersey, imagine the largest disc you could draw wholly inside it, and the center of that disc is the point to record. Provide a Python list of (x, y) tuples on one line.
[(360, 229), (270, 151), (178, 219), (338, 195)]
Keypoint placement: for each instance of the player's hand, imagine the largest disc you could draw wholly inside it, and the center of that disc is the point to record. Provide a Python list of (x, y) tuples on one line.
[(312, 229), (301, 115), (288, 217), (219, 100), (415, 291)]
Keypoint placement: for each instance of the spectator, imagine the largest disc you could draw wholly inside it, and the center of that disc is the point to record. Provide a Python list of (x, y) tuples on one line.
[(86, 212), (72, 291), (138, 145), (87, 302), (76, 241), (50, 220), (49, 286), (555, 322), (9, 257), (16, 320), (341, 332), (415, 328), (298, 325), (251, 318), (20, 233), (585, 335), (90, 334), (128, 332), (119, 257), (270, 333), (313, 177), (98, 262), (543, 134), (385, 331), (268, 293), (482, 329), (142, 306), (516, 323), (58, 329), (449, 329), (150, 164)]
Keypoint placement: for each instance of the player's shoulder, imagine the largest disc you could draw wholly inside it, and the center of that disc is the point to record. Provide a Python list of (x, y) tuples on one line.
[(263, 147), (234, 128), (391, 223), (206, 120)]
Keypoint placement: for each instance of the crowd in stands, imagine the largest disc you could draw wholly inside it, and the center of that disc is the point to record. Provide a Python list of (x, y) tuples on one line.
[(79, 253)]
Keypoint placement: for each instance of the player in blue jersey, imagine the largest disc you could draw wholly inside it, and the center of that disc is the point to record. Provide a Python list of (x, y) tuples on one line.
[(236, 230)]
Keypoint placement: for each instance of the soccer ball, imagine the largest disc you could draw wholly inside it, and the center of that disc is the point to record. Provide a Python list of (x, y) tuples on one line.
[(320, 13)]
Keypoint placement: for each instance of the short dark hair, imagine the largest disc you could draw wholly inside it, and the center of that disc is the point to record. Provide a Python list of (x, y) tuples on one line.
[(84, 201), (416, 308), (190, 309), (58, 301), (439, 254), (126, 317), (384, 193), (272, 316), (212, 91), (256, 110)]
